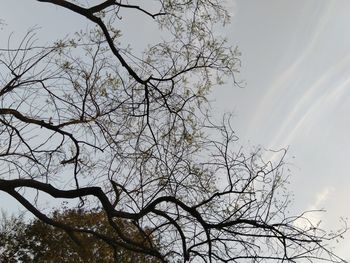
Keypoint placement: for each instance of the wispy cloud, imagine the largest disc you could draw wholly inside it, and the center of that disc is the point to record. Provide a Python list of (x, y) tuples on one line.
[(315, 216), (289, 76), (314, 104)]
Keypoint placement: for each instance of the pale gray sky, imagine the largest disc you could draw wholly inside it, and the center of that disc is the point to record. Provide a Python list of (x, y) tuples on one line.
[(296, 62), (296, 65)]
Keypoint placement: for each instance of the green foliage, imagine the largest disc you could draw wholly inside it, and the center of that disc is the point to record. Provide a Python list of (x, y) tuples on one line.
[(37, 242)]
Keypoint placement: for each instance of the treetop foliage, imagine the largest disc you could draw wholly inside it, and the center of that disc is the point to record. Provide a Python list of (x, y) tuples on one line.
[(36, 241)]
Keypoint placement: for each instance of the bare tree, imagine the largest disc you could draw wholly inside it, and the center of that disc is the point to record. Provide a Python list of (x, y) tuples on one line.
[(88, 119)]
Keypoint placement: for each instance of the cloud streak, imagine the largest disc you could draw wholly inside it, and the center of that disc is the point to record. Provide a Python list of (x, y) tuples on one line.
[(288, 77)]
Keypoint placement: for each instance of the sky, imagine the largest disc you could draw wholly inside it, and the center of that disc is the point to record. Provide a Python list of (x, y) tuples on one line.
[(296, 70)]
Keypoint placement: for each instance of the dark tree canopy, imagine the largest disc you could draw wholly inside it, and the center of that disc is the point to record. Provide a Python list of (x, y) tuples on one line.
[(36, 241), (131, 135)]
